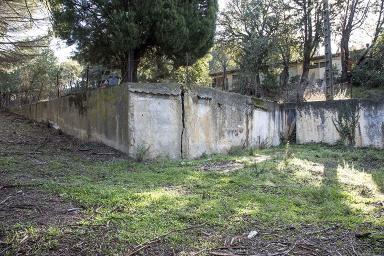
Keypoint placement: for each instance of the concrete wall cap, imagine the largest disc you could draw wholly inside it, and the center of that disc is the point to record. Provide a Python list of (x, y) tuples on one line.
[(155, 89)]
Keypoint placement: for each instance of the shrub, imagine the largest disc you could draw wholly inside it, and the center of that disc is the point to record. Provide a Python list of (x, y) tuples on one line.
[(142, 152), (370, 72)]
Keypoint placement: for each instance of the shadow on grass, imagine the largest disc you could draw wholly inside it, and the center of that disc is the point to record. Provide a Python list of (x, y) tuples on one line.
[(378, 177), (144, 200)]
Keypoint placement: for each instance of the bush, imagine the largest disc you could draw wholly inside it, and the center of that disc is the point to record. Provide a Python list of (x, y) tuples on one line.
[(370, 72), (142, 152)]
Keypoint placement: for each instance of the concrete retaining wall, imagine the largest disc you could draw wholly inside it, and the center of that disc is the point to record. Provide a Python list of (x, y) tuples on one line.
[(163, 121), (217, 121), (315, 122)]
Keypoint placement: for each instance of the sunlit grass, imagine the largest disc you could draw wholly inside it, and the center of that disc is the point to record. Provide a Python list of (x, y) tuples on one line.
[(362, 190), (301, 184)]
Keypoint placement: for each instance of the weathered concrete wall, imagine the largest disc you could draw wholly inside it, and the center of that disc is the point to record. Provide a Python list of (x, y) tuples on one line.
[(216, 121), (128, 118), (162, 121), (315, 122), (94, 116), (155, 118)]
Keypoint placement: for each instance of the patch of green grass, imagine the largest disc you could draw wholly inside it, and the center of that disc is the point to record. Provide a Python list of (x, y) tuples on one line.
[(300, 184)]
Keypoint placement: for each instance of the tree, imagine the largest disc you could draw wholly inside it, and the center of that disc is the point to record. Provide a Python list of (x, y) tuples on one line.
[(310, 22), (16, 16), (287, 43), (38, 77), (156, 67), (370, 72), (120, 32), (68, 72), (33, 81), (197, 74), (353, 14), (378, 11), (8, 85), (223, 58), (250, 25)]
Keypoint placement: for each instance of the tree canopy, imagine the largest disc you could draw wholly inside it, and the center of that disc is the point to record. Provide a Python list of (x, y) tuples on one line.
[(16, 17), (119, 32)]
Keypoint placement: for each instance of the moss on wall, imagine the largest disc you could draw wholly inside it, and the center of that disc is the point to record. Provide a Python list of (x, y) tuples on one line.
[(79, 101)]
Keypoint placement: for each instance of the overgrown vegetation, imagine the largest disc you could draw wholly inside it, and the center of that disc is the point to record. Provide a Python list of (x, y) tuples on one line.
[(347, 121), (40, 78), (370, 72)]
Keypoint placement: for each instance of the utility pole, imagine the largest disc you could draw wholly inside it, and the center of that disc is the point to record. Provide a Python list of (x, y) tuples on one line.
[(328, 52)]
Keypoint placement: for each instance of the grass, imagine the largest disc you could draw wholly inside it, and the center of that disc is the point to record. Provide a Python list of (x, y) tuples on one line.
[(296, 184)]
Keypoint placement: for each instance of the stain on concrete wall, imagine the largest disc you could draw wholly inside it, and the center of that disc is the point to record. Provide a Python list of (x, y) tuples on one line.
[(155, 118), (214, 121), (315, 123), (217, 121), (164, 119)]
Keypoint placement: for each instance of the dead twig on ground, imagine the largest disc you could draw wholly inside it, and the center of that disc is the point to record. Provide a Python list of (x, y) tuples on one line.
[(20, 153), (286, 252), (73, 210), (85, 149), (46, 140), (199, 252), (320, 231), (5, 250), (23, 206), (6, 199), (222, 254), (105, 154), (145, 245)]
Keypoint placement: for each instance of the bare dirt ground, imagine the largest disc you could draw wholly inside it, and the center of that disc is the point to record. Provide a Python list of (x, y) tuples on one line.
[(24, 203)]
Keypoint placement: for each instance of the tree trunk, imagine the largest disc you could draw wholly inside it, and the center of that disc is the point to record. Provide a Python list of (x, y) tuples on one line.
[(225, 84), (257, 84), (302, 85), (129, 67), (344, 46), (284, 78), (328, 53)]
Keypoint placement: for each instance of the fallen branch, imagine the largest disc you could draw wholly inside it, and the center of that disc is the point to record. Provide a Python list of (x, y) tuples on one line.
[(85, 149), (286, 252), (199, 252), (19, 186), (145, 245), (320, 231), (5, 250), (5, 200), (43, 143), (222, 254), (104, 154), (22, 206), (20, 153), (73, 210)]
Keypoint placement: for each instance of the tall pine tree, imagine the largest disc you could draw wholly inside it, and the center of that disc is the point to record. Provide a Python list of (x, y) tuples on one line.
[(119, 32)]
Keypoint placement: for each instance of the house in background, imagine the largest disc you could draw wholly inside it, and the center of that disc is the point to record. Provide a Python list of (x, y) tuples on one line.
[(316, 72)]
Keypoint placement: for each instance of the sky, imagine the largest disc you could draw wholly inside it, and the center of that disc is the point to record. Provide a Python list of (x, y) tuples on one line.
[(63, 52)]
